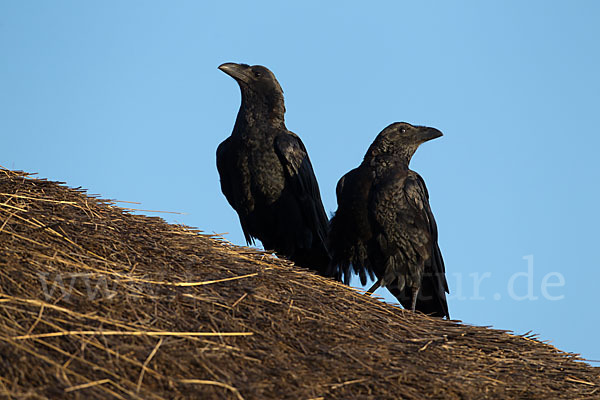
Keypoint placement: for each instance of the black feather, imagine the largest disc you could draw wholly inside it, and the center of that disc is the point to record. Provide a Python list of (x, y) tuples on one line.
[(267, 177), (384, 224)]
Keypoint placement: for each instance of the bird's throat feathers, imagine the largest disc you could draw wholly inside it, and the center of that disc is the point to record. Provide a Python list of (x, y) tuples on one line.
[(261, 108), (390, 154)]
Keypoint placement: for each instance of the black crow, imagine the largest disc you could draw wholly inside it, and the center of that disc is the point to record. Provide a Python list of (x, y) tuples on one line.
[(267, 177), (384, 225)]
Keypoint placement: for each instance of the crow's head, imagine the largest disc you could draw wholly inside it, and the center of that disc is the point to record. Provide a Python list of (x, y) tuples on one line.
[(408, 135), (258, 83), (400, 140)]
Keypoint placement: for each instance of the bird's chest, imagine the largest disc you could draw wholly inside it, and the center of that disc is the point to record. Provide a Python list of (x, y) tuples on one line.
[(388, 200), (261, 173)]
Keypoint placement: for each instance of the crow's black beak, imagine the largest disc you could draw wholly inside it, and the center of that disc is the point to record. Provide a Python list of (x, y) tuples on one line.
[(239, 72), (426, 134)]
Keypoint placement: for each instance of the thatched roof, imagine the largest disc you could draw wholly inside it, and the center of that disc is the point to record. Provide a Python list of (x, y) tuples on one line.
[(98, 303)]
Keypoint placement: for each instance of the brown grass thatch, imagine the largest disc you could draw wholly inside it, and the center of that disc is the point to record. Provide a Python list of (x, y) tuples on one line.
[(98, 303)]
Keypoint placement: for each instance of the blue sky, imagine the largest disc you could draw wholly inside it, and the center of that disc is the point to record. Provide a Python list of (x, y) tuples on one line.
[(125, 99)]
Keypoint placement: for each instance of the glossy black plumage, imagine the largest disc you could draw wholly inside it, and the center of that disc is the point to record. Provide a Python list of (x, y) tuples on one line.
[(267, 177), (384, 225)]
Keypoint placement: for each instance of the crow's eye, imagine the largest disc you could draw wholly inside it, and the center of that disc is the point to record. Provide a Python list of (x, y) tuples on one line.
[(257, 74), (403, 130)]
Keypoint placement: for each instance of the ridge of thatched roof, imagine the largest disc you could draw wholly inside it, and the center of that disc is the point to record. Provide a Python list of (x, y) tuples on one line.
[(96, 302)]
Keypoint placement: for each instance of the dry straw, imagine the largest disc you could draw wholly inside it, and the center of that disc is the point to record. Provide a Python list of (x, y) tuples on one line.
[(96, 302)]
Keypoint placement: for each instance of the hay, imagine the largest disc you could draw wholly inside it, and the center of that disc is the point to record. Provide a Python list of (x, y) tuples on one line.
[(98, 303)]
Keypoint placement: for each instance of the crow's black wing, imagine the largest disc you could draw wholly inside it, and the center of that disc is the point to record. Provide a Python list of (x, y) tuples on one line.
[(350, 230), (432, 299), (231, 189), (223, 166), (302, 180)]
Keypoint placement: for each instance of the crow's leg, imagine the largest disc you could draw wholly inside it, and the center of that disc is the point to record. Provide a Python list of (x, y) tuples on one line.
[(415, 293), (374, 287)]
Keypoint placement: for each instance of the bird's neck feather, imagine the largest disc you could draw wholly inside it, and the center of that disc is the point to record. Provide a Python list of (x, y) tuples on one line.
[(390, 154), (257, 109)]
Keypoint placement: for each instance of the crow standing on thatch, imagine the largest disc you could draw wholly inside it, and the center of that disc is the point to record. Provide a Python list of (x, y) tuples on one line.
[(384, 224), (267, 177)]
